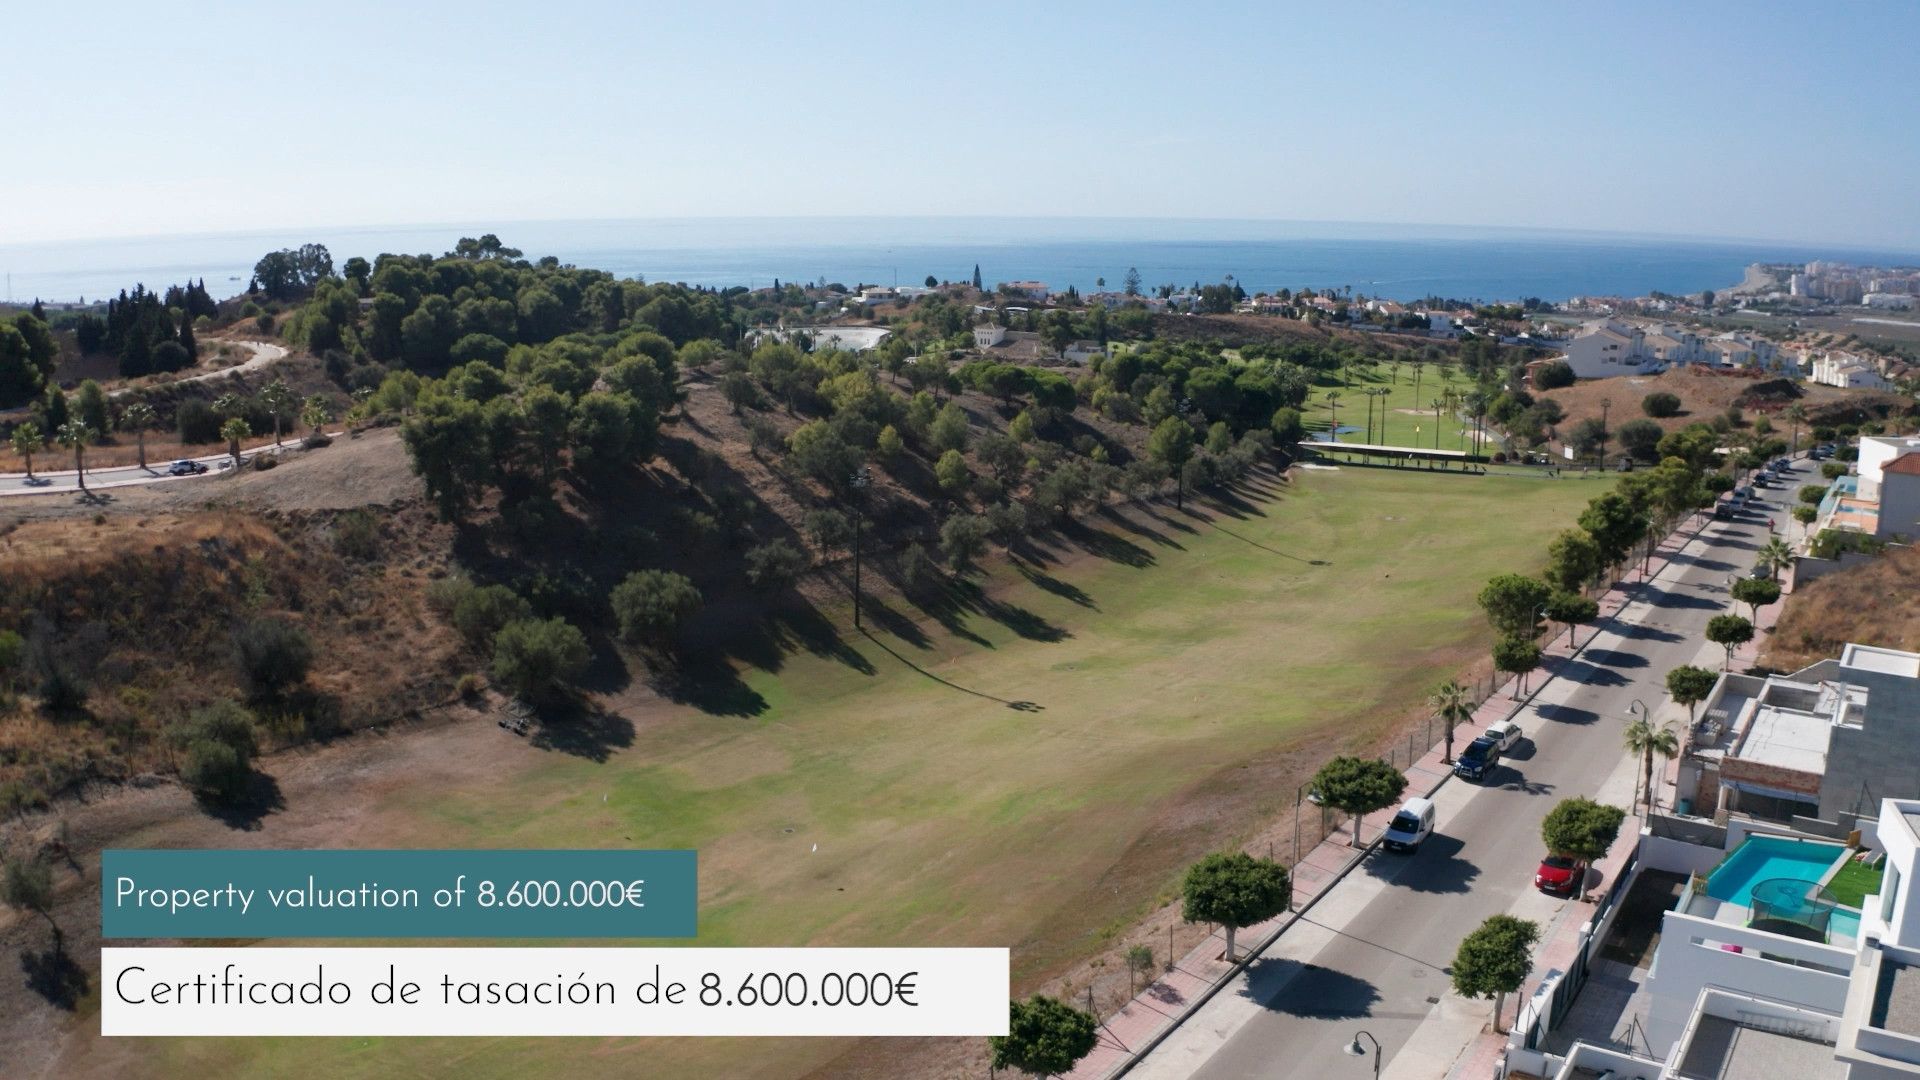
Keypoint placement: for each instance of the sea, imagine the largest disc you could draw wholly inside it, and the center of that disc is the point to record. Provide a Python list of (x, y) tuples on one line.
[(1401, 262)]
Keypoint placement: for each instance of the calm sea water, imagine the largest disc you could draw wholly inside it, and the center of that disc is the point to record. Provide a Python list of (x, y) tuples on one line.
[(1397, 261)]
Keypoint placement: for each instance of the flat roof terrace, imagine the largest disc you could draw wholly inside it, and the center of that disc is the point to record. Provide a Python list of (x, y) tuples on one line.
[(1723, 1049)]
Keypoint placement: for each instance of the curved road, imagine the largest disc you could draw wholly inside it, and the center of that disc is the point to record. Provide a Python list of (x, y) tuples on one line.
[(1372, 953)]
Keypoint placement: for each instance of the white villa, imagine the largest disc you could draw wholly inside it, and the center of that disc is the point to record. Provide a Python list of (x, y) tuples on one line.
[(1759, 971)]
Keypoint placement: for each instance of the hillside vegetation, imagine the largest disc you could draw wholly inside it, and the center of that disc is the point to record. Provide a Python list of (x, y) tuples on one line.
[(1872, 604)]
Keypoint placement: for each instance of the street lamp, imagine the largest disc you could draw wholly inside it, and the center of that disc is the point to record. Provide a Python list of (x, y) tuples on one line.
[(1354, 1049), (1605, 404), (858, 482)]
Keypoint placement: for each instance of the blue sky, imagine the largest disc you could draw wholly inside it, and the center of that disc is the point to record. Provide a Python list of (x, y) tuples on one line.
[(1786, 122)]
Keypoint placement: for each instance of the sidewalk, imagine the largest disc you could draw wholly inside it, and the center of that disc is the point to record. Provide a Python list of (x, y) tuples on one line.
[(1157, 1010)]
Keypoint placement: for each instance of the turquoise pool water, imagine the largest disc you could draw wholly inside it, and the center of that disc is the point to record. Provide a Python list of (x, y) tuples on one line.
[(1845, 923), (1762, 858)]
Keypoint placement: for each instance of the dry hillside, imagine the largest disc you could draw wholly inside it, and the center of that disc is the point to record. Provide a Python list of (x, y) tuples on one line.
[(1872, 604)]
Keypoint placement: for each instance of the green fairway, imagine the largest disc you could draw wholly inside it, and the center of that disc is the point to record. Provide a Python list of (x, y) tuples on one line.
[(1402, 417), (1033, 788)]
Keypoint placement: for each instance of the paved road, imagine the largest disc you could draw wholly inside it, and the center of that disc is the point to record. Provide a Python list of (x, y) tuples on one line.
[(1385, 942)]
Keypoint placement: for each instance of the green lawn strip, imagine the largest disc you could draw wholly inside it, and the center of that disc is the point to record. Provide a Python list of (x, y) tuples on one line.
[(942, 817)]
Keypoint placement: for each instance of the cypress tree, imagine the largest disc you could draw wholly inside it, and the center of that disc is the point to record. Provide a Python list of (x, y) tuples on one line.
[(186, 336), (976, 275), (39, 312)]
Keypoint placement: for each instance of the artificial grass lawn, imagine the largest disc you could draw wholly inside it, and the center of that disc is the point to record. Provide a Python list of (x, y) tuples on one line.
[(943, 816), (1854, 882)]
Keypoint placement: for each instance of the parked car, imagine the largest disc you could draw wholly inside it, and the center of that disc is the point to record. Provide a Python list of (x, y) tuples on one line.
[(1410, 826), (1759, 572), (184, 467), (1723, 512), (1506, 733), (1560, 875), (1478, 758)]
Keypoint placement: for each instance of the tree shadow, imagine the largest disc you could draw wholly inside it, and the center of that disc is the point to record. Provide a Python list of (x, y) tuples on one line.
[(1567, 714), (262, 797), (1643, 632), (1107, 545), (1436, 868), (1122, 521), (1019, 706), (1522, 784), (1590, 674), (1613, 658), (710, 684), (1288, 986), (1669, 598), (54, 975), (583, 732), (1063, 589)]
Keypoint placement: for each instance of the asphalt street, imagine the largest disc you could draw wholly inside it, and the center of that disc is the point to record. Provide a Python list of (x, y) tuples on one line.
[(1382, 969)]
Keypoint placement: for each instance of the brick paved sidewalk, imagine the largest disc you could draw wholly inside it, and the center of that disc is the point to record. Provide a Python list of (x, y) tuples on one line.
[(1160, 1007)]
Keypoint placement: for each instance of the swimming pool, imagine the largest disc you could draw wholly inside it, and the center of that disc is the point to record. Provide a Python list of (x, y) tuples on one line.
[(1762, 858)]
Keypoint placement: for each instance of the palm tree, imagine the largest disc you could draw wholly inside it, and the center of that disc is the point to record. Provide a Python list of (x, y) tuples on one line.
[(1333, 410), (235, 429), (75, 435), (1418, 367), (1774, 555), (1452, 704), (1647, 740), (315, 414), (138, 417), (1438, 404), (279, 399), (26, 441), (1795, 413)]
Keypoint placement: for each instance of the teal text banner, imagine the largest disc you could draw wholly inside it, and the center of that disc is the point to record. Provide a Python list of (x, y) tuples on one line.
[(376, 894)]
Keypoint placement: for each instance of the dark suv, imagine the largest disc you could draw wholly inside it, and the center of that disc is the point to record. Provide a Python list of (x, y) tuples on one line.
[(1477, 759)]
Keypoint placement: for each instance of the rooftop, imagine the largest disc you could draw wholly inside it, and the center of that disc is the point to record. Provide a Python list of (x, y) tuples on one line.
[(1787, 739), (1884, 661), (1730, 1049), (1896, 999)]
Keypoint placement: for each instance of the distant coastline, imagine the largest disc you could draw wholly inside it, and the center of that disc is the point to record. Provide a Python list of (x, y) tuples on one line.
[(1397, 262)]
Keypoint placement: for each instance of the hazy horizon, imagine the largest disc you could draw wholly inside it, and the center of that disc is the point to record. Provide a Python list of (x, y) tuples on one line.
[(1637, 118)]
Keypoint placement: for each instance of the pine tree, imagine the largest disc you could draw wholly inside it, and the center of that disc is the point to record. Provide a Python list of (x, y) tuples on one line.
[(39, 312)]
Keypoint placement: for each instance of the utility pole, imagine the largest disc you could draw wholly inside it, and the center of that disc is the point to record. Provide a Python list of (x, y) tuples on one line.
[(858, 481), (1605, 404)]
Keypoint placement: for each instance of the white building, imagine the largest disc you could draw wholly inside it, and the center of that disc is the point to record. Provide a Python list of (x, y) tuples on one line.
[(1888, 301), (1780, 982), (1847, 372), (1607, 347), (988, 335), (1082, 352), (1032, 290)]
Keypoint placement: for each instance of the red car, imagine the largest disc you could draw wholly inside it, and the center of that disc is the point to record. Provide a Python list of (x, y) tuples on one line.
[(1559, 875)]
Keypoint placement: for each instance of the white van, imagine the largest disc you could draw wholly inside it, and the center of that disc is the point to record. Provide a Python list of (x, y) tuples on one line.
[(1410, 826)]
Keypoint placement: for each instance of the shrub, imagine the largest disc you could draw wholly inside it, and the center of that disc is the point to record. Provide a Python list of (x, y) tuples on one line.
[(220, 745), (356, 535), (13, 653), (479, 612), (272, 655), (533, 657), (1552, 375), (198, 423), (651, 605), (445, 594), (775, 564), (963, 538), (1661, 403), (917, 568), (1833, 470)]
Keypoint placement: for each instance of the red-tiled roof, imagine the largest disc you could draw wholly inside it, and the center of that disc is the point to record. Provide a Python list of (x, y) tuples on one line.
[(1905, 464)]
